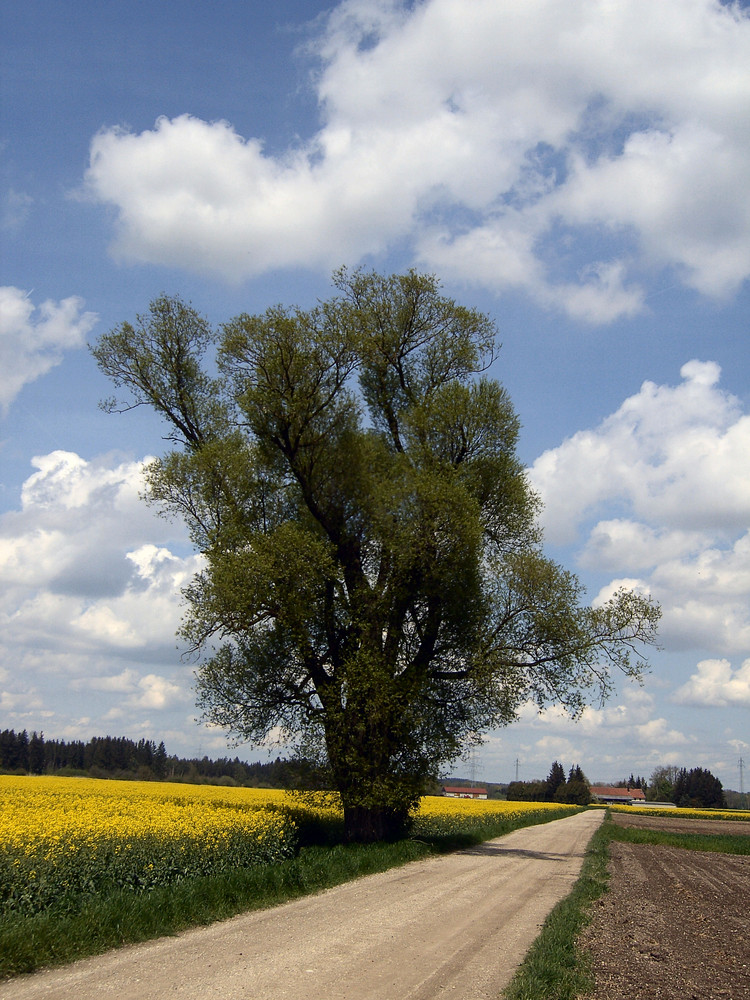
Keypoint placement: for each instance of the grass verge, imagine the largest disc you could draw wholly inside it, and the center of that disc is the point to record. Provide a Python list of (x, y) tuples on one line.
[(721, 843), (554, 968)]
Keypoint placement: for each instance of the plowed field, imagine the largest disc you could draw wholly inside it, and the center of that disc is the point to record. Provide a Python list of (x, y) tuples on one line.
[(675, 924)]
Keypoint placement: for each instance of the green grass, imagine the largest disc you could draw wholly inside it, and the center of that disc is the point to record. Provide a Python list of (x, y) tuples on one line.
[(555, 968), (450, 834), (722, 843)]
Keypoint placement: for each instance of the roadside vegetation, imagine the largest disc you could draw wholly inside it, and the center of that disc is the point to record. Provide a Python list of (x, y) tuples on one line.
[(87, 865), (554, 968), (721, 814)]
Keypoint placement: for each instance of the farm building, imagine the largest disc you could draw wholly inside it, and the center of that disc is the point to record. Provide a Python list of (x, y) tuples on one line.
[(617, 796), (462, 792)]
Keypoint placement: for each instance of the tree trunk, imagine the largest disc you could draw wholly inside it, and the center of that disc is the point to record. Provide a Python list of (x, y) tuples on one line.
[(366, 825)]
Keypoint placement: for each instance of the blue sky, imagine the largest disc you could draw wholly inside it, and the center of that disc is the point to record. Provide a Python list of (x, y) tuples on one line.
[(580, 172)]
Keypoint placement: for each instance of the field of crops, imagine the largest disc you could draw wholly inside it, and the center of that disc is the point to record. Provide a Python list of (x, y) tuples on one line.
[(64, 838), (725, 814), (439, 816)]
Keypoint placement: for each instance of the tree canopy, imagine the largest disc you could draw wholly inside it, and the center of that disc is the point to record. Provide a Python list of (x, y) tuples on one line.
[(374, 578), (698, 788)]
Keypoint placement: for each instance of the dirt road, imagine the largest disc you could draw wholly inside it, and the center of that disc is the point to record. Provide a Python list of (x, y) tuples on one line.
[(455, 926)]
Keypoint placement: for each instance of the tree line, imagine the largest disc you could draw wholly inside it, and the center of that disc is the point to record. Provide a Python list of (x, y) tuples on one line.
[(575, 789), (696, 788), (145, 760)]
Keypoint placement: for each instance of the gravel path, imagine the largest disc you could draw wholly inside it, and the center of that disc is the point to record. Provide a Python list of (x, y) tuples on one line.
[(455, 926)]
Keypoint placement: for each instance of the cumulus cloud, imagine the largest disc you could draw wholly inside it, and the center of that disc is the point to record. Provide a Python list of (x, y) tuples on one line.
[(478, 136), (716, 683), (628, 734), (149, 691), (82, 573), (657, 733), (157, 692), (625, 545), (78, 520), (673, 458), (674, 455), (91, 601), (33, 339)]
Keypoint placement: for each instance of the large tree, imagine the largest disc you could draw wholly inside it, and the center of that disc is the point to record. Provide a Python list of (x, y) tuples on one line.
[(374, 580)]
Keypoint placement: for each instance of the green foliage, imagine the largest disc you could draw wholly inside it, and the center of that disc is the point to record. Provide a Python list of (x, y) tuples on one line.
[(575, 791), (451, 831), (697, 788), (527, 791), (555, 779), (661, 785), (374, 584)]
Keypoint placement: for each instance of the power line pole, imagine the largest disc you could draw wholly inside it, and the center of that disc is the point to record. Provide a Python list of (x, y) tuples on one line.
[(473, 763)]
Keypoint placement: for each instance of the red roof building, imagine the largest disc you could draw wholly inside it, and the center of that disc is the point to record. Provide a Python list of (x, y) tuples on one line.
[(464, 792), (617, 796)]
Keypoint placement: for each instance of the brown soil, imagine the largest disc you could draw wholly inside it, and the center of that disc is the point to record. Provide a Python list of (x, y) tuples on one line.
[(677, 824), (675, 924)]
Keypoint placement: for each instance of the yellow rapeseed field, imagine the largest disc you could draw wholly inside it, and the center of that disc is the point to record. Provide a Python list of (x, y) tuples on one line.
[(441, 815), (738, 814), (61, 838)]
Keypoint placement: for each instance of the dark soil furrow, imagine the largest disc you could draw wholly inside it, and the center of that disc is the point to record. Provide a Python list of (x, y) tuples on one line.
[(675, 924)]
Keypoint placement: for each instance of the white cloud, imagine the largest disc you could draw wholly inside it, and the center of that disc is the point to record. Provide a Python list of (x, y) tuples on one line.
[(656, 733), (124, 682), (474, 133), (626, 735), (148, 691), (674, 455), (33, 339), (715, 683), (674, 460), (90, 601), (625, 545), (155, 692), (648, 185), (82, 573)]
